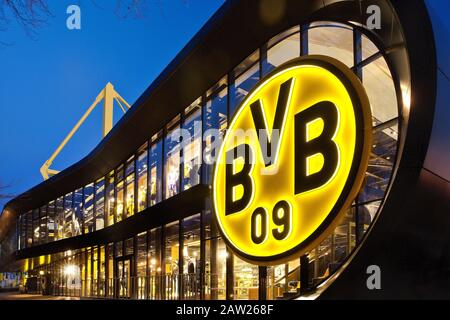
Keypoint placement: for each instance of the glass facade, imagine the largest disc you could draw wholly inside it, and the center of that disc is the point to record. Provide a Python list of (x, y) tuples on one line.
[(187, 259), (99, 204), (155, 170), (192, 145), (172, 159), (142, 177)]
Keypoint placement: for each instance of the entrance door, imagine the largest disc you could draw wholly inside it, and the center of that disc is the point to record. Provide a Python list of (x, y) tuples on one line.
[(123, 281)]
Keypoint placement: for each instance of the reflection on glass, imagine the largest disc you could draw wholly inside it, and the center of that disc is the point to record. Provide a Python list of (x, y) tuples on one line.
[(172, 162), (343, 240), (215, 119), (29, 237), (285, 50), (276, 281), (192, 147), (155, 167), (119, 195), (242, 86), (100, 204), (51, 221), (89, 208), (191, 257), (88, 273), (110, 265), (130, 195), (155, 286), (141, 267), (69, 213), (77, 217), (119, 249), (246, 277), (43, 225), (367, 213), (102, 271), (94, 271), (215, 269), (377, 81), (110, 200), (381, 163), (171, 266), (333, 40), (142, 180), (129, 247), (36, 227), (244, 65), (368, 47), (60, 219)]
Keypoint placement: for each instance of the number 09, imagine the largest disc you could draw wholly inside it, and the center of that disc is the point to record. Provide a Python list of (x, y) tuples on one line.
[(281, 217)]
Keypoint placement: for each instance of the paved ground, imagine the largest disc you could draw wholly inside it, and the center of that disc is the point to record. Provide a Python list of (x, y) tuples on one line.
[(20, 296)]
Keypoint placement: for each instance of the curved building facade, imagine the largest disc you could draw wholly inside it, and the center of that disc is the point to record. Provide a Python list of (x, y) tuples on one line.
[(134, 218)]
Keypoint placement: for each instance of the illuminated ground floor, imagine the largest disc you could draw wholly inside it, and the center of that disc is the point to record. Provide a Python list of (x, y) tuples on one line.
[(184, 259)]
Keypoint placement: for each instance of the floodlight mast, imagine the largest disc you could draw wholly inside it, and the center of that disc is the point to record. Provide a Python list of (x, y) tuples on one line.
[(108, 95)]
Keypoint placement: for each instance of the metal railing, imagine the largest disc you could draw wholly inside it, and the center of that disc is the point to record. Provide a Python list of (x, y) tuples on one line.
[(154, 287)]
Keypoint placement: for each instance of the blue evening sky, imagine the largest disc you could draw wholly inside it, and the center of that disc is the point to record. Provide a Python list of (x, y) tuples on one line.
[(49, 80)]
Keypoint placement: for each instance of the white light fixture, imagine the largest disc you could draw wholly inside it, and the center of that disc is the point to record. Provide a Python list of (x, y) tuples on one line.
[(69, 270)]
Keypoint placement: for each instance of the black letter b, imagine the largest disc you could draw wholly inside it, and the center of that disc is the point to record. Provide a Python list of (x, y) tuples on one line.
[(234, 179), (322, 144)]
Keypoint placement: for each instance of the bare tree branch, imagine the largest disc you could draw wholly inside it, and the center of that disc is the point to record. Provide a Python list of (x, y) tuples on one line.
[(31, 14), (130, 8)]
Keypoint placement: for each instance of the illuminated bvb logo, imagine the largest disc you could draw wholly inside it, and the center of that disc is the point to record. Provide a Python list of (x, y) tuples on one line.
[(293, 160)]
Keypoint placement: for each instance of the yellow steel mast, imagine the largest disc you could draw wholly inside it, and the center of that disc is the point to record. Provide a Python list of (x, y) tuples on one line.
[(108, 95)]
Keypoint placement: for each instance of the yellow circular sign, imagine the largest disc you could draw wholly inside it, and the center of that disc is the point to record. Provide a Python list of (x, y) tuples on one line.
[(292, 160)]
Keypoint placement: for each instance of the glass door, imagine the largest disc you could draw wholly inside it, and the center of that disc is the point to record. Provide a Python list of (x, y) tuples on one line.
[(123, 281)]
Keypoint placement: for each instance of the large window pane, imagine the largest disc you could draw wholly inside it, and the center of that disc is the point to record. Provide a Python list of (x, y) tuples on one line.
[(171, 261), (110, 270), (381, 163), (377, 81), (154, 264), (142, 171), (367, 213), (215, 269), (130, 189), (119, 249), (333, 40), (192, 145), (60, 218), (89, 208), (368, 47), (43, 226), (69, 214), (110, 200), (94, 271), (215, 116), (129, 247), (141, 268), (172, 161), (102, 272), (77, 223), (51, 221), (29, 239), (119, 195), (246, 277), (156, 170), (100, 204), (191, 257), (36, 227), (283, 51), (244, 65), (242, 86)]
